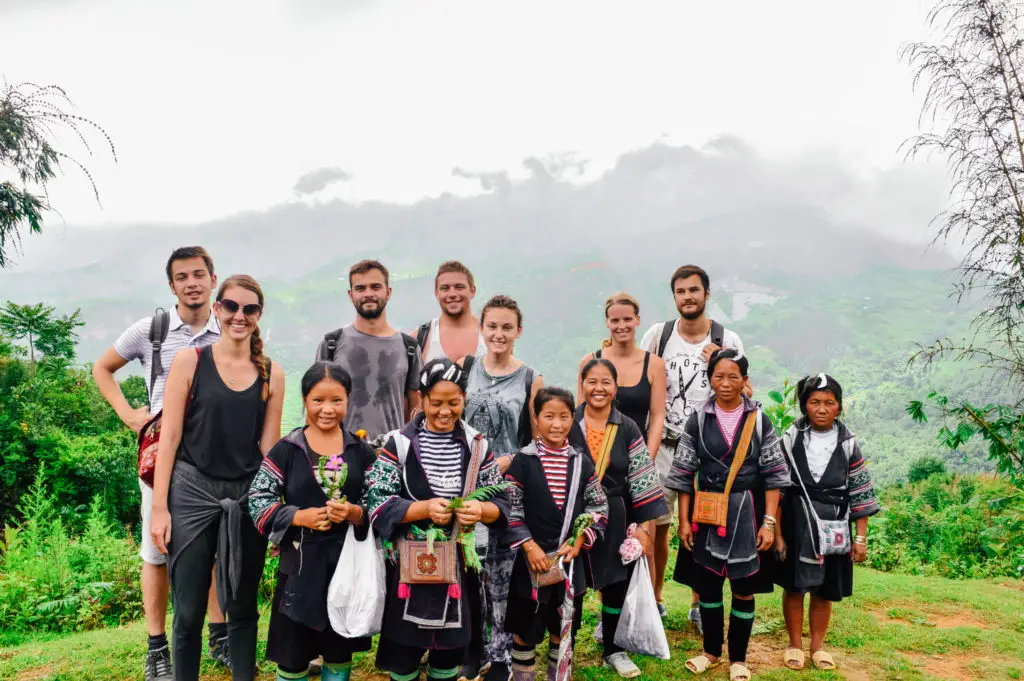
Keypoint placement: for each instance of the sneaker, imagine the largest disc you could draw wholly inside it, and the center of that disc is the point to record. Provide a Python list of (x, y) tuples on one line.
[(622, 665), (158, 665), (695, 620), (599, 632), (220, 652), (662, 610)]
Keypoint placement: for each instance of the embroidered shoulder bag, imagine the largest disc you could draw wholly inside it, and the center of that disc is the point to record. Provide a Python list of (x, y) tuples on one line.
[(833, 535), (712, 508)]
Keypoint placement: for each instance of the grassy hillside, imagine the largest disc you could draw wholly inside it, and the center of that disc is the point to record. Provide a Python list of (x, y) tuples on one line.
[(895, 628)]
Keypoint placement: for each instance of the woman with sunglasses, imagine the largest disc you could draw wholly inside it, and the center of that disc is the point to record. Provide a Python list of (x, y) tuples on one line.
[(221, 415)]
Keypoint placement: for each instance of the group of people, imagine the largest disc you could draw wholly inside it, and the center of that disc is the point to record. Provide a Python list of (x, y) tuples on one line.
[(499, 500)]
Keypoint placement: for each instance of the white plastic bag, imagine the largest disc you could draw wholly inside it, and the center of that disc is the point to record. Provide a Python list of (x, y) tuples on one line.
[(355, 598), (640, 629)]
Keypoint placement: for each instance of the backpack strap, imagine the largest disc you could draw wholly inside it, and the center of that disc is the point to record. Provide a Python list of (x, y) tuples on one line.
[(421, 336), (666, 333), (525, 424), (330, 345), (717, 333), (467, 363), (412, 351), (157, 335)]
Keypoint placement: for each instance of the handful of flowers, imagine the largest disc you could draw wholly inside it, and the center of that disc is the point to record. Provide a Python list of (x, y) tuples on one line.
[(580, 525), (332, 474)]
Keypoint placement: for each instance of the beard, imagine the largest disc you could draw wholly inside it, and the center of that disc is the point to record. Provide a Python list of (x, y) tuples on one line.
[(455, 315), (371, 314), (691, 316)]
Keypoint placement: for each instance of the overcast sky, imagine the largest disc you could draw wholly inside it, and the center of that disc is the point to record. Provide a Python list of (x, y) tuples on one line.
[(217, 107)]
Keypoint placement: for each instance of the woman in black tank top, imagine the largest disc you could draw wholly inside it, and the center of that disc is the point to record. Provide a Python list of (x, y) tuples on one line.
[(222, 414), (640, 397)]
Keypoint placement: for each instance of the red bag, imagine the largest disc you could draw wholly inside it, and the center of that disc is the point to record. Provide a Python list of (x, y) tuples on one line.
[(149, 437)]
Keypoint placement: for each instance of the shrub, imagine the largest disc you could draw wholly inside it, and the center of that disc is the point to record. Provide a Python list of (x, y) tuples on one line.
[(924, 467)]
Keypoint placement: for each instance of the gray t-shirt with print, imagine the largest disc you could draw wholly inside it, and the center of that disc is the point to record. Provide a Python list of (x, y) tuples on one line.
[(379, 367), (493, 405)]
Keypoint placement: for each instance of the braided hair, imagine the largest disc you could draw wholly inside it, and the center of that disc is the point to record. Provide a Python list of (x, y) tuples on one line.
[(262, 362)]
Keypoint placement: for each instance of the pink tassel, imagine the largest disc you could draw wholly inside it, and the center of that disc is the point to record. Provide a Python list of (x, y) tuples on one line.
[(533, 594), (403, 592), (693, 527), (721, 532), (455, 591)]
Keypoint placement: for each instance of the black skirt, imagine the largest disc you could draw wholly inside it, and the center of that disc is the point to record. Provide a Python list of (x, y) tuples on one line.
[(604, 565), (293, 645), (832, 581)]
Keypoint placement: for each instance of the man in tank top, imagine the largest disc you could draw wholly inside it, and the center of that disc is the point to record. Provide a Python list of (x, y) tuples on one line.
[(190, 323), (456, 332), (685, 350)]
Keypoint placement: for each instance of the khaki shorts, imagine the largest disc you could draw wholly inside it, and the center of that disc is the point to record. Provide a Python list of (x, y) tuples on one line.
[(147, 549), (663, 462)]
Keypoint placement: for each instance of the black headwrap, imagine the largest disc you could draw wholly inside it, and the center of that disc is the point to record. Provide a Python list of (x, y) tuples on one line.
[(441, 369), (810, 384)]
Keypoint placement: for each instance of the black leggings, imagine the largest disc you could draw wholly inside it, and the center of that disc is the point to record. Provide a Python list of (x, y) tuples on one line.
[(712, 612), (612, 598)]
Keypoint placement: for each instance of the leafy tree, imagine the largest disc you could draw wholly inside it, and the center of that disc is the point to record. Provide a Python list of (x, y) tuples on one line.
[(974, 97), (925, 467), (52, 336), (783, 409), (29, 116)]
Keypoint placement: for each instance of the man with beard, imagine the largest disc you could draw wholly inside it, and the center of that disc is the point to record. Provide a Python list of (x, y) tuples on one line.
[(456, 333), (685, 346), (189, 324), (384, 363)]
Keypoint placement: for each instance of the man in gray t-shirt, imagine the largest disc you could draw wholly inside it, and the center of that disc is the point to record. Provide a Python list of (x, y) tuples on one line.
[(383, 362)]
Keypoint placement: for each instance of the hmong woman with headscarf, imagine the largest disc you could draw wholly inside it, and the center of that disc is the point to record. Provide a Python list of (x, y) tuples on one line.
[(303, 499), (707, 452), (633, 489), (830, 476), (433, 600)]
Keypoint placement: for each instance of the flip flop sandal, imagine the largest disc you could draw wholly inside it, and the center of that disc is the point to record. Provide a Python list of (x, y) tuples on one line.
[(823, 660), (701, 663), (739, 672), (794, 658)]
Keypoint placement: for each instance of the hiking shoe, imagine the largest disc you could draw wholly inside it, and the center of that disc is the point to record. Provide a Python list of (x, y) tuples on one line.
[(599, 632), (622, 665), (695, 620), (662, 610), (220, 652), (158, 665)]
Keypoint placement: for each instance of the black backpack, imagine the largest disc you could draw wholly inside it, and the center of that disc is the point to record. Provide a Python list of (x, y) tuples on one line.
[(525, 423), (157, 335), (717, 335), (330, 345)]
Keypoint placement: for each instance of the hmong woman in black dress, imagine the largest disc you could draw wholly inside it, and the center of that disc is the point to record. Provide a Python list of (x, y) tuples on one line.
[(419, 470), (824, 457), (703, 458), (553, 483), (633, 489), (302, 511)]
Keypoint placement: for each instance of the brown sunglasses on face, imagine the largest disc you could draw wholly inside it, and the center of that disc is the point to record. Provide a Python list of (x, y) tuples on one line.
[(231, 306)]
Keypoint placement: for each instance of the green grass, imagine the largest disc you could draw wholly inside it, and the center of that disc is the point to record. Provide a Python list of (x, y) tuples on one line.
[(895, 628)]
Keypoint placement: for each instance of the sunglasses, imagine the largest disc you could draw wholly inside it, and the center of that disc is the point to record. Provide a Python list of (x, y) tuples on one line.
[(231, 306)]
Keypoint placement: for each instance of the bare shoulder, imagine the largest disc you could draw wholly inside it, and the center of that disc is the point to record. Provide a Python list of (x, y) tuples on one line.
[(186, 358), (276, 375), (656, 364)]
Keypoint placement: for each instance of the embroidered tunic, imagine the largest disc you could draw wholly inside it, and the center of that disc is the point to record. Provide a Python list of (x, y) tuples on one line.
[(536, 515), (289, 480), (430, 617), (632, 487), (703, 456), (844, 484)]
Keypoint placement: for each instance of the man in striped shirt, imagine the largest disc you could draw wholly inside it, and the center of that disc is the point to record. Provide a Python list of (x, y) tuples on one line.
[(191, 324)]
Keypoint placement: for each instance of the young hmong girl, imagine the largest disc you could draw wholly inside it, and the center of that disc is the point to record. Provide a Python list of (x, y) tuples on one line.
[(296, 502), (553, 484), (831, 475), (433, 596)]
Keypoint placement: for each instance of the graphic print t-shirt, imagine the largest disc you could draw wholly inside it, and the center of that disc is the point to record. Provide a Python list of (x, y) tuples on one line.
[(687, 385)]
